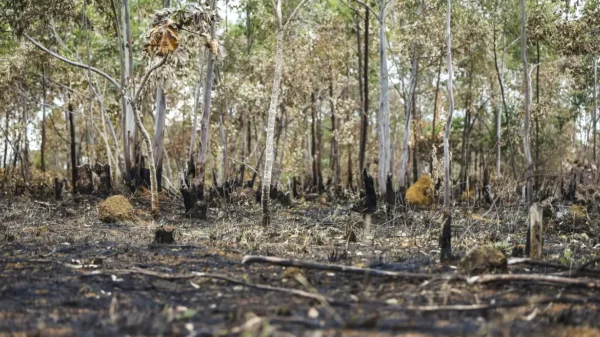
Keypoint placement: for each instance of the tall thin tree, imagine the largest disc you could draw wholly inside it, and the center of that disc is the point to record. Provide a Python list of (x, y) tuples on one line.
[(266, 181), (526, 136), (445, 237)]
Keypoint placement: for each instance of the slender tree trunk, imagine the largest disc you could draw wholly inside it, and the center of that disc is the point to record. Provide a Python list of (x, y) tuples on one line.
[(445, 237), (224, 145), (408, 117), (595, 117), (384, 104), (90, 121), (73, 147), (43, 144), (537, 116), (126, 66), (267, 172), (205, 125), (465, 148), (334, 142), (6, 138), (25, 156), (435, 108), (159, 134), (526, 138), (266, 181), (203, 56), (159, 126), (364, 128), (415, 125), (314, 142), (500, 74)]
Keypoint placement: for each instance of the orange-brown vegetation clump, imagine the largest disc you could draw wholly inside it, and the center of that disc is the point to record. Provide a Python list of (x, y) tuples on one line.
[(115, 209), (420, 193)]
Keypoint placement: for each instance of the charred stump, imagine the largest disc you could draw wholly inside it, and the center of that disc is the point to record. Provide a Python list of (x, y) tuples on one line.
[(85, 182), (102, 182), (192, 191), (390, 195), (446, 237), (367, 204), (535, 231), (164, 235)]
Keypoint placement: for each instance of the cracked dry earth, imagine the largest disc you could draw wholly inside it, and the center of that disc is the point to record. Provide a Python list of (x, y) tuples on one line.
[(50, 251)]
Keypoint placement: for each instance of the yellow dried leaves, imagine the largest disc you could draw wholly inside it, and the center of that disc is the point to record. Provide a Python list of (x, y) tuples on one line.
[(164, 39)]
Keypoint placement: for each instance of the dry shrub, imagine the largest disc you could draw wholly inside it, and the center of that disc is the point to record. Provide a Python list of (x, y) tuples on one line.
[(468, 195), (419, 194), (116, 208)]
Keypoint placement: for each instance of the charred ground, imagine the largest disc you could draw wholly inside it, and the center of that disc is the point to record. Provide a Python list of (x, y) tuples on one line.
[(64, 272)]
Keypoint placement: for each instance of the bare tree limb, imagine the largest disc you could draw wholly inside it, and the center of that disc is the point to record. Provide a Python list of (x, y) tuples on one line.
[(146, 76), (294, 13), (249, 259), (73, 63), (164, 276), (535, 278), (369, 8)]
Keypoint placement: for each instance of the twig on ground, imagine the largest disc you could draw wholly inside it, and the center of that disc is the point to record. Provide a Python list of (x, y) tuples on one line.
[(164, 276), (540, 263), (536, 278), (482, 307), (249, 259)]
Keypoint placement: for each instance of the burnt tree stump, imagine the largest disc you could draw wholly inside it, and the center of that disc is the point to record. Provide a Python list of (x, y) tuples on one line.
[(164, 235)]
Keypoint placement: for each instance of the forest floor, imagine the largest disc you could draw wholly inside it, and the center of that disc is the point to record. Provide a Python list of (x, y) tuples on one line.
[(63, 273)]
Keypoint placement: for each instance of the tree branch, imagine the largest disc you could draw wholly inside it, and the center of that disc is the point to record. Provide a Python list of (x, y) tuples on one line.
[(369, 8), (147, 75), (294, 13), (73, 63), (249, 259)]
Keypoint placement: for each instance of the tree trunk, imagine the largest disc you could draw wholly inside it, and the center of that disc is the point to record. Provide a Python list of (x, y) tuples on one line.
[(446, 232), (205, 126), (73, 147), (224, 145), (500, 74), (25, 147), (335, 163), (435, 108), (6, 138), (537, 116), (408, 118), (43, 144), (315, 151), (364, 128), (595, 117), (266, 181), (90, 121), (465, 146), (203, 56), (384, 105), (159, 135), (415, 125), (130, 148), (526, 140)]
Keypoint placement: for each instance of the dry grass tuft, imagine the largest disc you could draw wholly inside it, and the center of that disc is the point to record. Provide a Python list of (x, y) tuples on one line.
[(116, 208)]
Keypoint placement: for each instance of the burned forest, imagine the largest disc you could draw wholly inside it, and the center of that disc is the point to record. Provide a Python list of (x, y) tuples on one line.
[(299, 168)]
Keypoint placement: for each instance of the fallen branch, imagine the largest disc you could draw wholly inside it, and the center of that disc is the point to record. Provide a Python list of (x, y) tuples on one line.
[(249, 259), (551, 279), (483, 307), (539, 263), (164, 276)]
